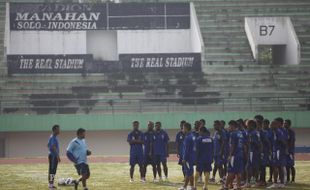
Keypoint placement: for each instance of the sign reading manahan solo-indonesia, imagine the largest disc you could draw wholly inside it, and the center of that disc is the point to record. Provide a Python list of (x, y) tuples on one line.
[(58, 18), (99, 16)]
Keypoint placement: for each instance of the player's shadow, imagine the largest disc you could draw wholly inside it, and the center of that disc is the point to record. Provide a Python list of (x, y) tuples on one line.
[(169, 184)]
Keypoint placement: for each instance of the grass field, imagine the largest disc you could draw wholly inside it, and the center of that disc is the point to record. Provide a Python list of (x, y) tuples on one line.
[(111, 176)]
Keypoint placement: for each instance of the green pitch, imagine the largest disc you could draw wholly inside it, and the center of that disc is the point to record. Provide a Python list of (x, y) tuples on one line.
[(105, 176)]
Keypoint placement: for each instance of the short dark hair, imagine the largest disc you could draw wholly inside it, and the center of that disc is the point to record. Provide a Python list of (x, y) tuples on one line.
[(217, 122), (288, 121), (158, 123), (279, 119), (188, 126), (223, 122), (233, 123), (80, 130), (135, 122), (259, 117), (203, 121), (252, 123), (266, 121), (183, 121), (55, 127)]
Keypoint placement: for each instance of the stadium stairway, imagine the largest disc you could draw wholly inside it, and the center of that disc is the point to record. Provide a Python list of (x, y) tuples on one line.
[(231, 79)]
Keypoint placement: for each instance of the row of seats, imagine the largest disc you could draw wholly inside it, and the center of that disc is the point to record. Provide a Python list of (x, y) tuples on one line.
[(231, 80)]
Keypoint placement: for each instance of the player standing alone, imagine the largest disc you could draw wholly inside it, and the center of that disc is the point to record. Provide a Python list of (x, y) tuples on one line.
[(53, 156), (136, 140)]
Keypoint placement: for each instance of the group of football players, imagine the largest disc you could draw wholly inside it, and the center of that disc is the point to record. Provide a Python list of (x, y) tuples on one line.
[(240, 152)]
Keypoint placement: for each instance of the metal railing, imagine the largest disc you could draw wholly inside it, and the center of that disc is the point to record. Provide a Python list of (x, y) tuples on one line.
[(176, 104)]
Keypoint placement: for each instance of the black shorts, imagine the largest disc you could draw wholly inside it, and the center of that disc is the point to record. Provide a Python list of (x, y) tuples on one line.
[(82, 169), (52, 164)]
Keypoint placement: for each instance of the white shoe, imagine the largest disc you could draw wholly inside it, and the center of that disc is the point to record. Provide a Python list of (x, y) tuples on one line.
[(155, 180), (142, 180), (273, 186), (200, 180), (281, 185), (182, 188), (131, 180)]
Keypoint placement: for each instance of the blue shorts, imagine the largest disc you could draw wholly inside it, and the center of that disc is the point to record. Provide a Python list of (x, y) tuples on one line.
[(53, 163), (278, 159), (203, 167), (218, 160), (235, 165), (82, 169), (148, 160), (290, 160), (188, 169), (265, 161), (157, 159), (136, 159), (253, 161)]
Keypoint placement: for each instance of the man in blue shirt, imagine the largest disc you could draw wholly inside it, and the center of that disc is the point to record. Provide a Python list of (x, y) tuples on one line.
[(136, 140), (254, 153), (219, 145), (179, 143), (236, 156), (204, 149), (160, 150), (53, 156), (77, 152), (148, 149), (189, 157), (278, 153), (266, 152), (291, 150)]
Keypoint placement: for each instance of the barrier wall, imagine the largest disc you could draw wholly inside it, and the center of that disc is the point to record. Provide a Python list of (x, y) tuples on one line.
[(22, 123)]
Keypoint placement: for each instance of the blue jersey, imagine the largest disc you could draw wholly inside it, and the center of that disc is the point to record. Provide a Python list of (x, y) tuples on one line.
[(189, 150), (265, 138), (291, 141), (226, 136), (53, 141), (148, 142), (254, 141), (204, 148), (135, 148), (277, 141), (285, 138), (160, 143), (237, 141), (78, 148), (218, 140), (179, 140)]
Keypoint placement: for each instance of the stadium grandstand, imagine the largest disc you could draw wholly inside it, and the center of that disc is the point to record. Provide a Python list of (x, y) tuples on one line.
[(232, 78)]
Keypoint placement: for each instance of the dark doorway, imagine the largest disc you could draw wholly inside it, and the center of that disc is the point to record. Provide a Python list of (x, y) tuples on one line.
[(2, 148), (271, 54)]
